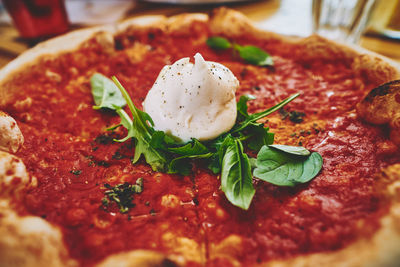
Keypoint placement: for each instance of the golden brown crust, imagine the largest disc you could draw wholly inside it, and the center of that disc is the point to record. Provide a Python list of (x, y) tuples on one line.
[(382, 248), (144, 258), (382, 106), (30, 241)]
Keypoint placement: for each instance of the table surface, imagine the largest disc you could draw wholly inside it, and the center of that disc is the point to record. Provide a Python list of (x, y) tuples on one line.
[(258, 11)]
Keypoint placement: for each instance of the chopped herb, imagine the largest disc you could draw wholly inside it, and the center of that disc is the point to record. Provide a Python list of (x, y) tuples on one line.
[(117, 155), (102, 163), (76, 172), (122, 195), (103, 139), (152, 212), (294, 116)]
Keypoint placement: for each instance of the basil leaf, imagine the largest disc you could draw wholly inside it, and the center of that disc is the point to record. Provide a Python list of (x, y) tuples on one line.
[(311, 167), (218, 43), (285, 169), (242, 106), (256, 116), (236, 178), (105, 93), (295, 150), (254, 55), (139, 129)]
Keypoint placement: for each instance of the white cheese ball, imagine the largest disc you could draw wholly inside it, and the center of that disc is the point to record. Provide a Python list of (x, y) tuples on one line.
[(193, 100)]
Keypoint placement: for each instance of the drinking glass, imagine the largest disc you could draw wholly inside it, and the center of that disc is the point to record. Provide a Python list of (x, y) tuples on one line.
[(342, 20), (38, 18)]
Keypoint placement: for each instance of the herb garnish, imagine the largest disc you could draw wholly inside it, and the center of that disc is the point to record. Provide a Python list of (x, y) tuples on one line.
[(278, 164), (252, 54), (122, 195), (294, 116), (76, 172), (105, 93)]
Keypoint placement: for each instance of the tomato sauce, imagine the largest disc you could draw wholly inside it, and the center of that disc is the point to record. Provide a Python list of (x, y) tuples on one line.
[(69, 151)]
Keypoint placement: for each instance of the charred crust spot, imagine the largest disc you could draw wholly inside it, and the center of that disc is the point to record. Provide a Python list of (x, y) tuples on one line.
[(118, 45), (381, 90), (168, 263), (151, 36)]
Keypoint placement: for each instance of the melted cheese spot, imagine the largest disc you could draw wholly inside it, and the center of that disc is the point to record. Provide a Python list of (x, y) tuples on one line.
[(193, 100)]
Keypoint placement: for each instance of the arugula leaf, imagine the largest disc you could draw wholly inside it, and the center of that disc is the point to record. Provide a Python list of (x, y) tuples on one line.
[(295, 150), (105, 93), (192, 148), (254, 55), (236, 178), (182, 164), (242, 106), (139, 129), (286, 169), (217, 42), (256, 116), (258, 136)]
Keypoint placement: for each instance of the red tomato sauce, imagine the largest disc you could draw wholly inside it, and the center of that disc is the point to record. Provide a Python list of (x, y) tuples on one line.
[(68, 150)]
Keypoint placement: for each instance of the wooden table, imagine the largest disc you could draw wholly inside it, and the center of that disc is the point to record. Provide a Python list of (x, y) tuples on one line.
[(259, 11)]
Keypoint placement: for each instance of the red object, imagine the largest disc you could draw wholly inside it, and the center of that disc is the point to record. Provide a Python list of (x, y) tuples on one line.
[(38, 18)]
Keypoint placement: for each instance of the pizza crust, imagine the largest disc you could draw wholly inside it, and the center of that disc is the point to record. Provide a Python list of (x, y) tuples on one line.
[(13, 176), (11, 138), (31, 241)]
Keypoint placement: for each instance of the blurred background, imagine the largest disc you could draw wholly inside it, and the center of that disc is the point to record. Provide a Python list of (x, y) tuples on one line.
[(372, 24)]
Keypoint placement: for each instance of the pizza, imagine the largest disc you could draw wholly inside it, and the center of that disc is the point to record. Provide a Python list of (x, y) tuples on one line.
[(63, 176)]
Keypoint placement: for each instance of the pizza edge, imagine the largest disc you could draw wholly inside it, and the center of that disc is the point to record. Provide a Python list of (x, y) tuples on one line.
[(16, 245)]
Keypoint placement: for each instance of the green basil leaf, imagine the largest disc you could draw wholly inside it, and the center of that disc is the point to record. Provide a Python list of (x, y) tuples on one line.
[(105, 93), (311, 167), (253, 162), (295, 150), (284, 169), (254, 55), (236, 178), (218, 43), (275, 167)]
